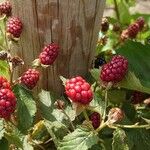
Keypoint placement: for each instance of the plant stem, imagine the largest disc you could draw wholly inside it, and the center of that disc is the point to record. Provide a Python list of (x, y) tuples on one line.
[(117, 10), (129, 126), (73, 128), (105, 107), (103, 125), (85, 115)]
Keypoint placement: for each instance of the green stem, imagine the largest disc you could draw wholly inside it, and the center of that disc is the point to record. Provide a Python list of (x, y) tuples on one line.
[(73, 128), (117, 10), (103, 125), (105, 107), (85, 115), (129, 126)]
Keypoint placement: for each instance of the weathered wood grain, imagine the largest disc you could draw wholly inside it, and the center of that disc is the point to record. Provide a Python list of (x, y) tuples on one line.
[(73, 24)]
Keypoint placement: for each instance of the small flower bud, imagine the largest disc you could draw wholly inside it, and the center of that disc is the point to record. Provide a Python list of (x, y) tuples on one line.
[(115, 115), (59, 104)]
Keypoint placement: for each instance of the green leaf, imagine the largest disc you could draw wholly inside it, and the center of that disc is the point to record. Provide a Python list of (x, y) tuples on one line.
[(63, 79), (55, 130), (2, 129), (129, 110), (116, 96), (120, 140), (4, 69), (26, 144), (95, 73), (140, 138), (26, 107), (50, 112), (4, 144), (97, 103), (131, 82), (14, 137), (124, 13), (138, 56), (81, 138)]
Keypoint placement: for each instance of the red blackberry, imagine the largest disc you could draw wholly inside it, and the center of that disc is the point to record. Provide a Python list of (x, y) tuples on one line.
[(4, 84), (49, 54), (140, 21), (30, 78), (14, 27), (133, 30), (115, 115), (115, 70), (5, 8), (7, 103), (137, 97), (95, 118), (78, 90)]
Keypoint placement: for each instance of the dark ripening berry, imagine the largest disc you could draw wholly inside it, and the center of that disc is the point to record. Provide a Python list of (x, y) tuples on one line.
[(99, 62), (7, 103), (5, 8), (95, 118), (115, 70), (104, 25), (49, 54), (115, 115), (30, 78), (140, 21), (133, 30), (4, 84), (14, 27), (137, 97), (78, 90)]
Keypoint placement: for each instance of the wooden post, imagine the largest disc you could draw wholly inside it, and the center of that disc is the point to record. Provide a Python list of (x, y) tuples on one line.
[(73, 24)]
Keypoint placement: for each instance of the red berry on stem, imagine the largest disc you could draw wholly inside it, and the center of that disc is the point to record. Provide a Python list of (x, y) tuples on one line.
[(137, 97), (5, 8), (49, 54), (30, 78), (78, 90), (115, 70), (7, 103), (4, 84), (95, 118), (133, 30), (14, 27)]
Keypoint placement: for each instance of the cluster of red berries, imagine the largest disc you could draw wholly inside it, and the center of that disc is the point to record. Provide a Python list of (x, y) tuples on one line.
[(133, 29), (49, 54), (5, 8), (137, 97), (78, 90), (115, 70), (7, 99), (14, 25), (30, 78), (95, 118)]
